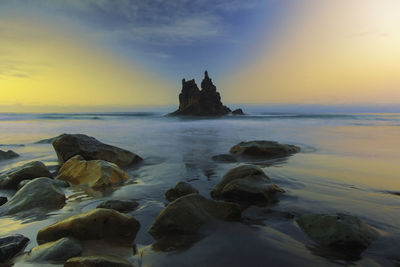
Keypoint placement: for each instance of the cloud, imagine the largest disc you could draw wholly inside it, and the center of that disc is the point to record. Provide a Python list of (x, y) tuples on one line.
[(171, 21)]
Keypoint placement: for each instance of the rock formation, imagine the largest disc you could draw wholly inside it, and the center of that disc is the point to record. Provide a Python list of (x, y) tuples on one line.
[(204, 102)]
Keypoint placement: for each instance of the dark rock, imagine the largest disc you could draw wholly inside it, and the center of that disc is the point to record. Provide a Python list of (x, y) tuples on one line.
[(339, 232), (97, 261), (226, 158), (238, 111), (3, 200), (204, 102), (57, 251), (8, 154), (93, 173), (180, 189), (47, 141), (246, 183), (263, 149), (97, 224), (185, 216), (70, 145), (10, 245), (10, 179), (40, 193), (119, 205)]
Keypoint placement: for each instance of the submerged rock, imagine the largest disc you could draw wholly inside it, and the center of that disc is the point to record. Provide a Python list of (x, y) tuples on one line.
[(119, 205), (57, 251), (180, 189), (10, 245), (97, 224), (8, 154), (238, 111), (341, 232), (40, 193), (70, 145), (246, 183), (97, 261), (204, 102), (187, 214), (3, 200), (263, 149), (11, 178), (93, 173)]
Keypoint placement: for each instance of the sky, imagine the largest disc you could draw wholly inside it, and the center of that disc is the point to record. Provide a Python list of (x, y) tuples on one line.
[(121, 54)]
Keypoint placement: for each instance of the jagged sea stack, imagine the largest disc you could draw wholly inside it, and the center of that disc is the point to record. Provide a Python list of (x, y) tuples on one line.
[(204, 102)]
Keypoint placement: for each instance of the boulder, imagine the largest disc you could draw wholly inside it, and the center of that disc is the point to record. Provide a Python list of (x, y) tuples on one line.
[(339, 232), (11, 178), (180, 189), (40, 193), (247, 183), (238, 111), (187, 214), (119, 205), (57, 251), (226, 158), (70, 145), (22, 183), (93, 173), (8, 154), (97, 224), (204, 102), (10, 245), (3, 200), (263, 149), (97, 261), (47, 140)]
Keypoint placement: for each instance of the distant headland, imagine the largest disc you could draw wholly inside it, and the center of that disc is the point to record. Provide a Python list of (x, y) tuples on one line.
[(204, 102)]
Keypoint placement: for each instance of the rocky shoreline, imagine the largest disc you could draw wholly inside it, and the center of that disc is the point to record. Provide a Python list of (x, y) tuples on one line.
[(88, 163)]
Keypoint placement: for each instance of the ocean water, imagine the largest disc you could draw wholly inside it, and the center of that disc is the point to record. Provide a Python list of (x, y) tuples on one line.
[(349, 163)]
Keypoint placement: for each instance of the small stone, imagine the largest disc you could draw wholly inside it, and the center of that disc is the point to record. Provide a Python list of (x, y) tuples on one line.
[(119, 205), (180, 189), (97, 224), (263, 149), (8, 154), (11, 178), (238, 111), (10, 245), (57, 251)]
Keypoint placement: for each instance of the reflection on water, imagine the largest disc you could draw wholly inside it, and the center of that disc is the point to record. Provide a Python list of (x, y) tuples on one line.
[(348, 163)]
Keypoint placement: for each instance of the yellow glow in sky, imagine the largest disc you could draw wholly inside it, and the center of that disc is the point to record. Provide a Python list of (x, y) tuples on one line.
[(44, 66), (329, 52)]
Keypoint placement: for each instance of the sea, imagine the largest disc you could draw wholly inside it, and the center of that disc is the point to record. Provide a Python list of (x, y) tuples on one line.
[(349, 163)]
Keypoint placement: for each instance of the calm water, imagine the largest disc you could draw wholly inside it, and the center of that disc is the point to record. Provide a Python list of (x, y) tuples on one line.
[(349, 163)]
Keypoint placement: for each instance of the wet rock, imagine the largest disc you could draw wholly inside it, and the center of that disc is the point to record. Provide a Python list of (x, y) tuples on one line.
[(40, 193), (93, 173), (97, 224), (61, 183), (339, 232), (180, 189), (57, 251), (119, 205), (8, 154), (185, 216), (226, 158), (238, 111), (11, 178), (263, 149), (246, 183), (3, 200), (204, 102), (70, 145), (97, 261), (10, 245)]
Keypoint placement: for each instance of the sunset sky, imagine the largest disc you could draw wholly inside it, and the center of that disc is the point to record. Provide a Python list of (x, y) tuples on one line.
[(132, 53)]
